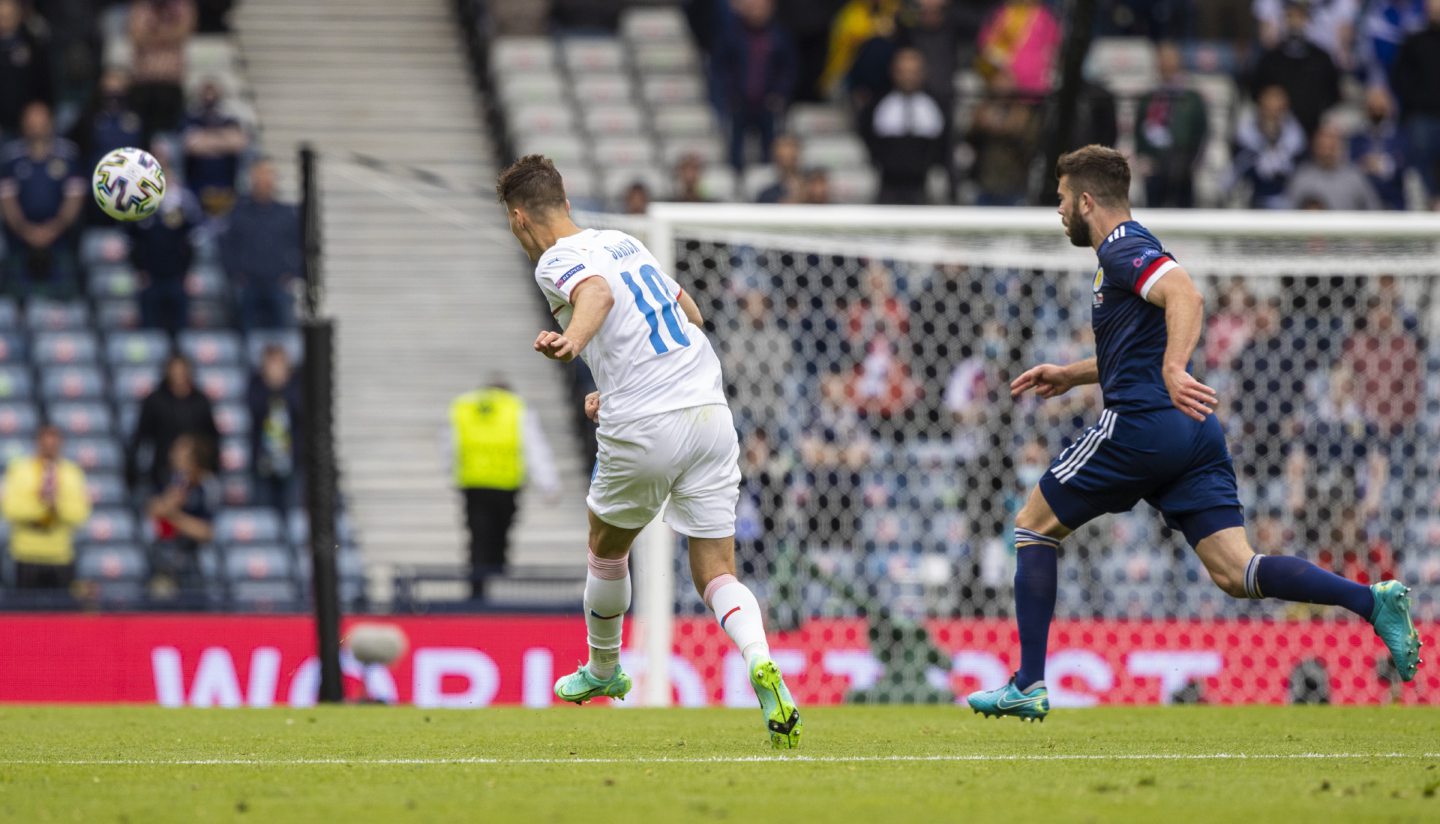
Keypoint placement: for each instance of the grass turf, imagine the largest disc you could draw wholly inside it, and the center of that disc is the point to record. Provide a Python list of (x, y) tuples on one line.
[(100, 764)]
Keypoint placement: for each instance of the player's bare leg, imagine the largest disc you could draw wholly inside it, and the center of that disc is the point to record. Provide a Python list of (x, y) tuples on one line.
[(607, 598), (712, 567), (1038, 533), (1237, 569)]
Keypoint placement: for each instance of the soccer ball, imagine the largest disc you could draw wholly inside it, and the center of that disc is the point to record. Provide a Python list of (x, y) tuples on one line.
[(129, 184)]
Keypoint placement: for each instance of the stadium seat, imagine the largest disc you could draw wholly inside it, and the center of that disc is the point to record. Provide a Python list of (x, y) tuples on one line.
[(121, 313), (631, 151), (9, 314), (668, 89), (1124, 65), (564, 149), (581, 183), (83, 418), (107, 490), (206, 348), (235, 455), (545, 86), (289, 339), (96, 454), (613, 120), (222, 383), (50, 316), (100, 245), (12, 348), (73, 383), (232, 419), (297, 528), (718, 182), (237, 488), (350, 567), (836, 152), (112, 573), (857, 184), (653, 25), (685, 120), (207, 282), (113, 281), (209, 314), (809, 119), (260, 577), (598, 89), (75, 346), (15, 382), (110, 526), (582, 55), (617, 180), (708, 149), (673, 57), (253, 525), (18, 419), (757, 178), (541, 118), (15, 447), (149, 348), (521, 54), (133, 383)]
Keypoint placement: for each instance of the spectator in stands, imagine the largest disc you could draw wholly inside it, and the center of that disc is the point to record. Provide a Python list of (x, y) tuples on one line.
[(1228, 329), (906, 132), (214, 143), (1171, 125), (183, 511), (834, 454), (24, 66), (581, 16), (816, 186), (858, 22), (162, 247), (176, 407), (496, 448), (757, 366), (1414, 81), (1268, 144), (688, 172), (1005, 135), (760, 514), (1096, 117), (42, 190), (1329, 176), (934, 29), (260, 249), (275, 427), (1388, 363), (754, 65), (45, 501), (212, 16), (785, 157), (1339, 457), (1021, 39), (1304, 70), (1384, 26), (1378, 149), (809, 26), (881, 386), (159, 31), (1349, 549), (1267, 399), (637, 198), (109, 122), (1330, 25)]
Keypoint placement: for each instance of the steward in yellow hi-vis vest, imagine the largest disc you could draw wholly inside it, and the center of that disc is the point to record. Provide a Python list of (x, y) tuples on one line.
[(45, 501), (495, 447)]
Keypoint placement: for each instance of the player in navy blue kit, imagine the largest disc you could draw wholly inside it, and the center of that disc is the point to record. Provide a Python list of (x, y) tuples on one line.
[(1157, 440)]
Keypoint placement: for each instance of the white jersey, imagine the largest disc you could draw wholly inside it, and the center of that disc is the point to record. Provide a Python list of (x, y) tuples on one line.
[(647, 358)]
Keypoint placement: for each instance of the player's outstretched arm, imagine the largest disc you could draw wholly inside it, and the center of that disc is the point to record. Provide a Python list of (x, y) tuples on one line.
[(692, 310), (1049, 380), (1184, 317), (592, 300)]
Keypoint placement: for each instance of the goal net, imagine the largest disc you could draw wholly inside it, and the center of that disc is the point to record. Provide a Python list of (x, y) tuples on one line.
[(867, 354)]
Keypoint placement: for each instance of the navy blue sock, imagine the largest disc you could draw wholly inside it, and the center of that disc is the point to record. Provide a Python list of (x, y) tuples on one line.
[(1295, 579), (1036, 564)]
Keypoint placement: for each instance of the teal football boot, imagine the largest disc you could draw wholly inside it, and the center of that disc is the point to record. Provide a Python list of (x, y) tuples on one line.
[(1391, 619), (1009, 700), (782, 717), (580, 686)]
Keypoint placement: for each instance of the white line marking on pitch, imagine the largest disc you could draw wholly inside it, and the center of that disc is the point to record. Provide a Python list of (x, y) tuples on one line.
[(744, 759)]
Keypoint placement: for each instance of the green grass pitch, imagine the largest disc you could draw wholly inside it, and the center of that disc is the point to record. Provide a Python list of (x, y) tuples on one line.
[(893, 765)]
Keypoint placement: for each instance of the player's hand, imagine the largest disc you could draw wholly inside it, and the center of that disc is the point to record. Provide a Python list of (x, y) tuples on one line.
[(592, 406), (556, 346), (1189, 395), (1047, 379)]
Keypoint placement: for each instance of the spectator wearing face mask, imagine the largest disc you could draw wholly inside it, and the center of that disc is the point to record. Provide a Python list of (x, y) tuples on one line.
[(274, 400), (906, 132), (214, 144), (1268, 145), (1303, 69), (110, 122), (1378, 149), (260, 249)]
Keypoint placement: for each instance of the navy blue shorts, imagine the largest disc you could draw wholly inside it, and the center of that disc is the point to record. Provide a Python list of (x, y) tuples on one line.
[(1178, 465)]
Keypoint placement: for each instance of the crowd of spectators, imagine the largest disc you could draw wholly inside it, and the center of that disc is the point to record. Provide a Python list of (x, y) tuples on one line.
[(221, 256)]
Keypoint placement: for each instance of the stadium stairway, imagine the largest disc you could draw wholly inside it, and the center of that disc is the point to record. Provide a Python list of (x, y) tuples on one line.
[(428, 287)]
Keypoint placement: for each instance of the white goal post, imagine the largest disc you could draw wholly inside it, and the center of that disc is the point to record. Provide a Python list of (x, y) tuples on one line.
[(1217, 247)]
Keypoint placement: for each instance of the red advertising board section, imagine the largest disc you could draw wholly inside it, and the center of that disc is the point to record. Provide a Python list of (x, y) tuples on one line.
[(209, 660)]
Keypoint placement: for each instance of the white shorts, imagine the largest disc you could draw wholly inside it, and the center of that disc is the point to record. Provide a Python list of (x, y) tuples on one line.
[(691, 455)]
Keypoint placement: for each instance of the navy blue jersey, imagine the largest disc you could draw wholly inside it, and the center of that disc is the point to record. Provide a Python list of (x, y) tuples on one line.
[(1130, 332)]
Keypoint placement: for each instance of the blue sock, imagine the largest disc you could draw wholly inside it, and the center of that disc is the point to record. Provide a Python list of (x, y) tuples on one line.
[(1295, 579), (1036, 563)]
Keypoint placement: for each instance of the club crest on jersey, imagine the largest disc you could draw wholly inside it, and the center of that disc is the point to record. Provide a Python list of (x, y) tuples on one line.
[(1099, 281)]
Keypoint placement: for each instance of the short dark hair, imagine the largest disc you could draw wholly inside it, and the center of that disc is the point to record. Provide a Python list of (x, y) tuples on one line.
[(1099, 170), (532, 182)]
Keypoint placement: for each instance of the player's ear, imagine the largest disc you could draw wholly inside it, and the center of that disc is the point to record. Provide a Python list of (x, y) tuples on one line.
[(567, 206)]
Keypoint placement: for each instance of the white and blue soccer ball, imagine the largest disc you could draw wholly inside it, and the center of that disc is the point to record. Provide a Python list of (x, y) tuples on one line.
[(129, 184)]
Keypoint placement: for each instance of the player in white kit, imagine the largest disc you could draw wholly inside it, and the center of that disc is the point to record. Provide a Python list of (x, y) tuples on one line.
[(665, 430)]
